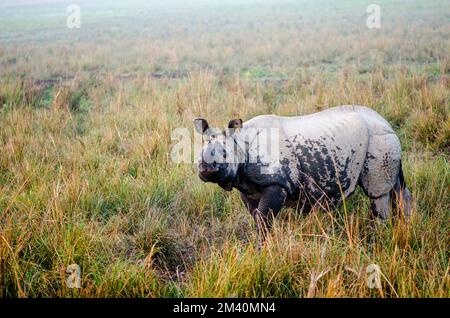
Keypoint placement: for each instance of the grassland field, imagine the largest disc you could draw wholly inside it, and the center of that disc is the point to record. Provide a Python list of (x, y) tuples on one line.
[(86, 117)]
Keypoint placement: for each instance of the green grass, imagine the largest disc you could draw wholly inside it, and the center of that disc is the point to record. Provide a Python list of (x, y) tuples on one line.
[(86, 118)]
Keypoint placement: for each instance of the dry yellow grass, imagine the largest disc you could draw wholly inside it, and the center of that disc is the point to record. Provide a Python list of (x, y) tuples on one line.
[(86, 177)]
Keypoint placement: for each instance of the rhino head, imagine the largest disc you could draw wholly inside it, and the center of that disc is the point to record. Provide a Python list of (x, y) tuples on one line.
[(221, 155)]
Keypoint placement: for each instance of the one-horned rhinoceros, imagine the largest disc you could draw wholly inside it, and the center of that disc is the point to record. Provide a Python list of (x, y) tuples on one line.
[(307, 160)]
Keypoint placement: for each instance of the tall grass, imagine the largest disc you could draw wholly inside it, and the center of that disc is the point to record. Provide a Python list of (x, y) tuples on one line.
[(86, 177)]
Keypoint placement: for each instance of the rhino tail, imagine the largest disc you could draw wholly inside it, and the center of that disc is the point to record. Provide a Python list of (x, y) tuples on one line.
[(401, 177)]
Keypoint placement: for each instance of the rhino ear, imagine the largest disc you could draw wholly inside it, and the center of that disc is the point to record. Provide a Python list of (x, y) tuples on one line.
[(201, 125), (235, 123)]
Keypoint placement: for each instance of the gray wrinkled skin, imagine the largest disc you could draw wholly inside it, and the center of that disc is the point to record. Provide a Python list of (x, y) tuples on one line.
[(322, 158)]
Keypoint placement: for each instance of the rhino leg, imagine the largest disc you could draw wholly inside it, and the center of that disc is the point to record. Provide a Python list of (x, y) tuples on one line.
[(407, 201), (380, 173), (271, 201), (250, 204), (380, 207)]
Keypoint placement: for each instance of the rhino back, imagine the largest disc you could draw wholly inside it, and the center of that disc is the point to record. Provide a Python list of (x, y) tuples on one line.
[(321, 154), (329, 150)]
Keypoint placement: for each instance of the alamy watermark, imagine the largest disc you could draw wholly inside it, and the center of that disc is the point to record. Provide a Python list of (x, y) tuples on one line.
[(252, 145), (74, 278), (374, 16), (74, 16), (373, 272)]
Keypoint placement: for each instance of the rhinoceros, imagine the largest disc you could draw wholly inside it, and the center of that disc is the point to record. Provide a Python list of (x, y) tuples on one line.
[(316, 159)]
